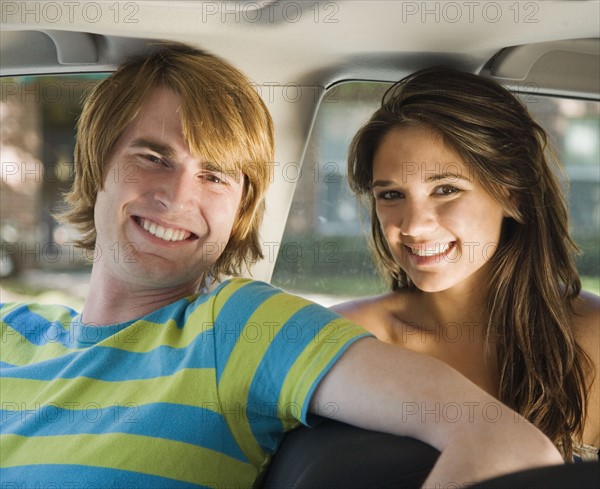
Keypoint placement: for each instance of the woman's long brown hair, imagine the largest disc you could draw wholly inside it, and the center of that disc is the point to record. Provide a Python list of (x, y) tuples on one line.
[(533, 281)]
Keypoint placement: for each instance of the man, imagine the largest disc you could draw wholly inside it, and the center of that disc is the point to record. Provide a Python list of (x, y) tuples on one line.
[(157, 385)]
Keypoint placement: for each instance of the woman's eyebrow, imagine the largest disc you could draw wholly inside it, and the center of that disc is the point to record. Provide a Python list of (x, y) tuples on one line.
[(429, 177), (447, 176), (383, 183)]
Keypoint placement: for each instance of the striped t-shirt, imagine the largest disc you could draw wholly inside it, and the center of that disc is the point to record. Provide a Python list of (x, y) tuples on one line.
[(197, 393)]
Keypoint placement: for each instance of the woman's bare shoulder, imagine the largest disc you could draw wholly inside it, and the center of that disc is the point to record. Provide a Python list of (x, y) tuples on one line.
[(373, 313), (586, 323), (357, 308)]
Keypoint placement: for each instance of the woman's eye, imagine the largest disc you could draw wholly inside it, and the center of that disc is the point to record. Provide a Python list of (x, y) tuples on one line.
[(389, 195), (446, 190)]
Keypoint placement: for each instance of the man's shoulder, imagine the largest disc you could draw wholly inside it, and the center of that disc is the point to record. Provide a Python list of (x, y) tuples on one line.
[(51, 312), (29, 326), (237, 283), (230, 302), (242, 297), (243, 291), (245, 307)]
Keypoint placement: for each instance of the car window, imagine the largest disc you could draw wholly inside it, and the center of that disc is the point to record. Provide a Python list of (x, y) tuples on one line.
[(38, 116), (324, 253)]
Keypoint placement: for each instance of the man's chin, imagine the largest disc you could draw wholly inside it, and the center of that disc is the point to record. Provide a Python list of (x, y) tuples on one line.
[(163, 276)]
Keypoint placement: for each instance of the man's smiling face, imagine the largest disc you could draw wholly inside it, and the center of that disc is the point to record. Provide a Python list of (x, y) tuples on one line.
[(164, 215)]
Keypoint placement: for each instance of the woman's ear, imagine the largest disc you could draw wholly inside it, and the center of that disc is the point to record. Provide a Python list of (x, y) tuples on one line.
[(512, 207), (511, 203)]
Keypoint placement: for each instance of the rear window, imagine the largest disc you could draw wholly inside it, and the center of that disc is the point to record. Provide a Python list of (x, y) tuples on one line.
[(324, 253)]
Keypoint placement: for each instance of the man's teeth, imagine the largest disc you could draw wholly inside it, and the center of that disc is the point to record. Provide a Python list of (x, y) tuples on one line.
[(167, 234), (439, 249)]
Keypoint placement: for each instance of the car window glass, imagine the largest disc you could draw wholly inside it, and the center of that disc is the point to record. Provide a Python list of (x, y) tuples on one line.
[(324, 253), (38, 116)]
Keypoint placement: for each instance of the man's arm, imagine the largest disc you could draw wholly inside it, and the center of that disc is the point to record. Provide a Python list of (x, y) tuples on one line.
[(385, 388)]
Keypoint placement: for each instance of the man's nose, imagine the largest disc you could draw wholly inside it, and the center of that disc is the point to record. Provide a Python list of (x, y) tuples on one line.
[(178, 191)]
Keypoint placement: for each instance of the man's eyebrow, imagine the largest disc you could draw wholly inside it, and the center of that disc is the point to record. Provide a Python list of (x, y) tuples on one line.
[(212, 166), (160, 148)]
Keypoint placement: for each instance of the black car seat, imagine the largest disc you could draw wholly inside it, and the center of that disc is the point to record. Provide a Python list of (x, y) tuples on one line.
[(335, 455)]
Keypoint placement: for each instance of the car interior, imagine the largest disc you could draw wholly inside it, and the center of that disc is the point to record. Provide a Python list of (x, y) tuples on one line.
[(321, 67)]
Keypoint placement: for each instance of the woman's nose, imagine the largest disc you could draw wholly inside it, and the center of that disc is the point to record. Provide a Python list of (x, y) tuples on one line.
[(418, 218)]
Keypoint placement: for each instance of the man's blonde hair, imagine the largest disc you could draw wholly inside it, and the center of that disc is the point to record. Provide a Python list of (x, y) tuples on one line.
[(223, 118)]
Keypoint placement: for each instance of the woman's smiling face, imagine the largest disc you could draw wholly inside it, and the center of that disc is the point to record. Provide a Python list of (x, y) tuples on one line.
[(440, 224)]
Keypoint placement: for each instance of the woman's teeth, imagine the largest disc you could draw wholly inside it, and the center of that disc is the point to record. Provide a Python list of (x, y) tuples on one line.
[(438, 250)]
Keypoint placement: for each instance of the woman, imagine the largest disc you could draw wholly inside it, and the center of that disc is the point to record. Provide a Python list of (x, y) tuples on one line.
[(469, 227)]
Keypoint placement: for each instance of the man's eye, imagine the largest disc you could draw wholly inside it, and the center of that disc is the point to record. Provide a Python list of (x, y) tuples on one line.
[(213, 178), (153, 159)]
